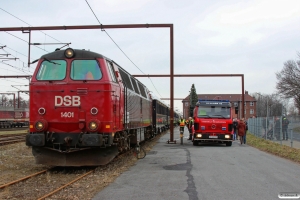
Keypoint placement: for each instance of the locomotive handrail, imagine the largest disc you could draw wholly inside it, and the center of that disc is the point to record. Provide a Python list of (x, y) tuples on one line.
[(47, 91), (95, 91)]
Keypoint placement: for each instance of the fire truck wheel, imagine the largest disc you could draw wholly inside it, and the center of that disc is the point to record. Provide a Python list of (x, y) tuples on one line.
[(195, 143), (228, 144)]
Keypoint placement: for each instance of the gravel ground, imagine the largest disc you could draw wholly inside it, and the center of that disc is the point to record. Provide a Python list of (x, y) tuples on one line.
[(16, 161)]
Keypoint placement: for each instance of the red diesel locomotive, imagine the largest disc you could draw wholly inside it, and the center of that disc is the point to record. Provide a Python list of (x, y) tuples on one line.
[(85, 109)]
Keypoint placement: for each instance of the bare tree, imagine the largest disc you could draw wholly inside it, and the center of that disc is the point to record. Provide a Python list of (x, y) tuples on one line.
[(276, 105), (288, 84)]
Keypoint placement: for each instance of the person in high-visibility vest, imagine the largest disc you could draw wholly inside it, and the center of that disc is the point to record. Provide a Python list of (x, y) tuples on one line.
[(181, 124)]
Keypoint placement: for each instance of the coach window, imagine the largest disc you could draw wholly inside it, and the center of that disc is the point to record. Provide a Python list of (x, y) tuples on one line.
[(53, 70), (111, 71), (85, 70)]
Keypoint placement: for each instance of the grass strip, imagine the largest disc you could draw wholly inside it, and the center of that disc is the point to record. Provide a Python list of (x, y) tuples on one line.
[(274, 148)]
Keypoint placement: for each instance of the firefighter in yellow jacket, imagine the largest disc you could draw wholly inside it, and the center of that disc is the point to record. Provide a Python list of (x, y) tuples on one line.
[(181, 124)]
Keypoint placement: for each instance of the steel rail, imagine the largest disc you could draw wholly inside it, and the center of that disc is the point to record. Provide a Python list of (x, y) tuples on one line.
[(21, 179), (10, 140), (62, 187)]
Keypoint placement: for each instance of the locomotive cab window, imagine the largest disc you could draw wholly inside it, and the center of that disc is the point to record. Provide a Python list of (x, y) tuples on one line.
[(52, 70), (111, 71), (85, 70)]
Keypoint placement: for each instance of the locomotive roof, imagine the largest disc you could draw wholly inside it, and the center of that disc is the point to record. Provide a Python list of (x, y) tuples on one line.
[(84, 54)]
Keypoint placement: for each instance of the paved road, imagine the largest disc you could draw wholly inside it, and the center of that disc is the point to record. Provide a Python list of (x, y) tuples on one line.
[(177, 172)]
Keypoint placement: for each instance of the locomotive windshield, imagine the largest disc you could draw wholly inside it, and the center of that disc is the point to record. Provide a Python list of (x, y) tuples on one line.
[(52, 70), (213, 112), (85, 70)]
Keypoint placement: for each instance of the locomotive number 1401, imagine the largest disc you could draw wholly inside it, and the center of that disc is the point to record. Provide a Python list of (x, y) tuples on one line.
[(67, 114)]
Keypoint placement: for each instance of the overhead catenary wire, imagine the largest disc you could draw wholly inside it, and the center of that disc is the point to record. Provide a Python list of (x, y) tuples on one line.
[(14, 50), (20, 69), (25, 41), (16, 68), (119, 46), (27, 23)]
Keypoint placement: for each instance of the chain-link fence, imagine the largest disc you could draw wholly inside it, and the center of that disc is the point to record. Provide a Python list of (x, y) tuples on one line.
[(280, 129)]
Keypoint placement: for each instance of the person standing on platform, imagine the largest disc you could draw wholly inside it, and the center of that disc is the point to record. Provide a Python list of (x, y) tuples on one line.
[(285, 123), (181, 124), (241, 130), (235, 125), (191, 124)]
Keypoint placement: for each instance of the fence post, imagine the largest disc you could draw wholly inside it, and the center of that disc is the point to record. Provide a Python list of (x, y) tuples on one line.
[(281, 134), (292, 138), (274, 127)]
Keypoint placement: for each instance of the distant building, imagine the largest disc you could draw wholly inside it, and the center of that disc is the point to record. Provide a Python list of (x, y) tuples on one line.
[(250, 103)]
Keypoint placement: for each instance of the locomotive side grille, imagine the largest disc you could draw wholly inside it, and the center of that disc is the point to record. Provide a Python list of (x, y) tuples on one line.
[(82, 91)]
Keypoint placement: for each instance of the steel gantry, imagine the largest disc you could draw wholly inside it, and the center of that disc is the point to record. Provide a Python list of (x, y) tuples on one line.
[(118, 26)]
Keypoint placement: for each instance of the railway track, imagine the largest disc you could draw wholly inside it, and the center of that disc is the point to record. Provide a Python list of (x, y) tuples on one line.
[(11, 138), (53, 172), (14, 129), (58, 182)]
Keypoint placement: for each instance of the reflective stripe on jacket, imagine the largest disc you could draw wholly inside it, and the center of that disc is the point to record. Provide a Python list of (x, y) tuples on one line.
[(182, 122)]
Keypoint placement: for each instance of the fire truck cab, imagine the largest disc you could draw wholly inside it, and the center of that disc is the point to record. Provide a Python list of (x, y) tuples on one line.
[(213, 122)]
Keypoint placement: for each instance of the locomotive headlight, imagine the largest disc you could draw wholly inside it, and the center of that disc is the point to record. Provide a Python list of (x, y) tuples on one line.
[(227, 136), (199, 135), (69, 53), (93, 125), (39, 126)]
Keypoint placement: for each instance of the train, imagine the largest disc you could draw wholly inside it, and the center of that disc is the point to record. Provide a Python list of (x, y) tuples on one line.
[(85, 109), (11, 117)]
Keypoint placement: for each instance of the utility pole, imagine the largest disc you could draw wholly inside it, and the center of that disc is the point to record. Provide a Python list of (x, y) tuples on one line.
[(267, 118)]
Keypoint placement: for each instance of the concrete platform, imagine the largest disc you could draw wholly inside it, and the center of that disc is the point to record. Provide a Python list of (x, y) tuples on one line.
[(213, 171), (158, 168)]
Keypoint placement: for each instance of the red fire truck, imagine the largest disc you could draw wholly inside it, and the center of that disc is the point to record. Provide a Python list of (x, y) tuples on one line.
[(213, 122)]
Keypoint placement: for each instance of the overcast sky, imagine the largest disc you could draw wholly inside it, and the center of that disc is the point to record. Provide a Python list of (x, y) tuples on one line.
[(253, 38)]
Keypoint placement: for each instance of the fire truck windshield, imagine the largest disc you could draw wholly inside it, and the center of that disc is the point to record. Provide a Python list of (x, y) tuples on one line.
[(213, 112)]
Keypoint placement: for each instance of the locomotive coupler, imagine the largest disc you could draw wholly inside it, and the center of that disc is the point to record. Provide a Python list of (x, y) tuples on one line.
[(68, 140)]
